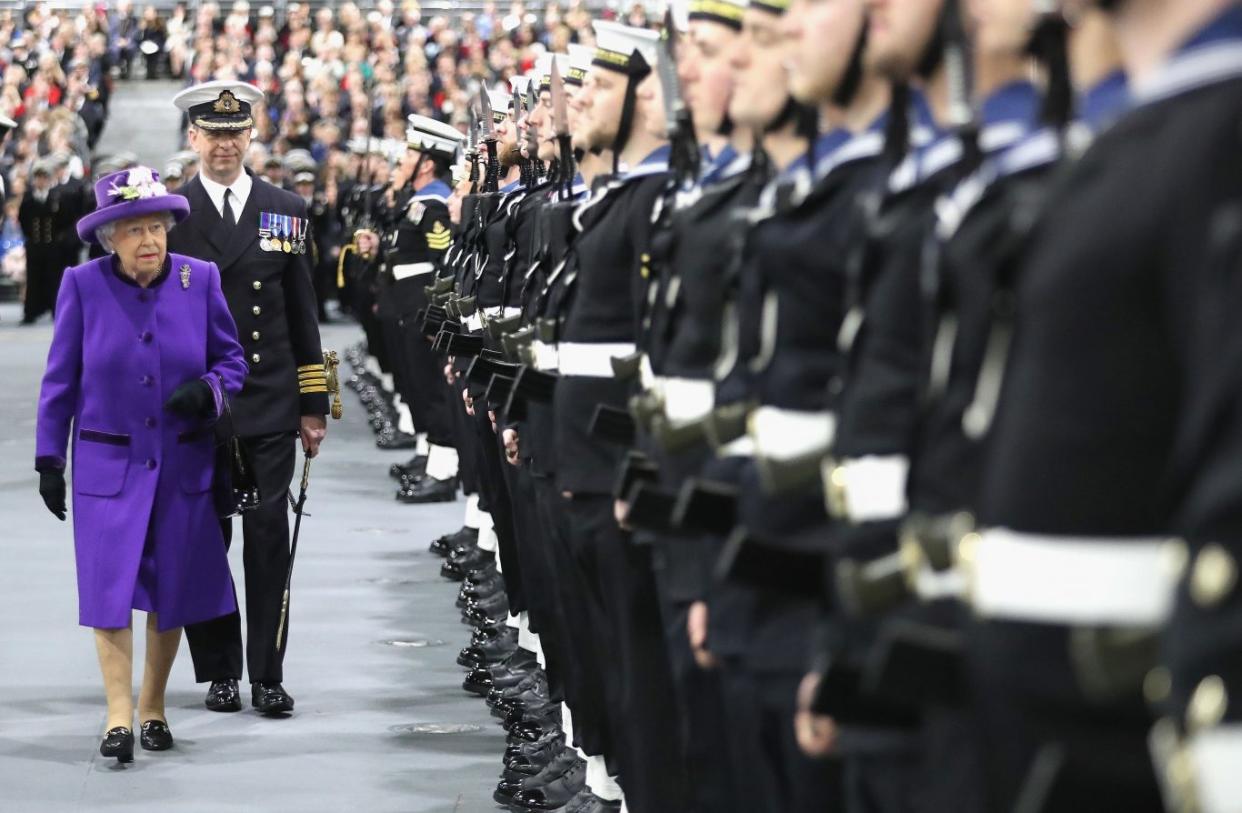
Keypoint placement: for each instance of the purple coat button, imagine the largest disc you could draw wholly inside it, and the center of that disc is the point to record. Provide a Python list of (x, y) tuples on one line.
[(146, 337), (150, 422), (150, 464), (145, 380)]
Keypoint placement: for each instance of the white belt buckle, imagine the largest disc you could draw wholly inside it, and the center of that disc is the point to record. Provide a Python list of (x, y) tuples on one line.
[(781, 434)]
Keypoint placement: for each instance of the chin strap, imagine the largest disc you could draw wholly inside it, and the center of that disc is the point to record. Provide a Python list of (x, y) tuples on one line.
[(636, 71)]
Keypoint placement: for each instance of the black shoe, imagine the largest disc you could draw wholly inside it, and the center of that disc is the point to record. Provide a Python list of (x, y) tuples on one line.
[(155, 736), (395, 440), (270, 698), (556, 793), (415, 466), (223, 696), (429, 489), (554, 770), (587, 802), (119, 743)]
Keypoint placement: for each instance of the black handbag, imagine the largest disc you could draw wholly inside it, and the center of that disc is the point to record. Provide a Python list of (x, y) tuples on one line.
[(235, 488)]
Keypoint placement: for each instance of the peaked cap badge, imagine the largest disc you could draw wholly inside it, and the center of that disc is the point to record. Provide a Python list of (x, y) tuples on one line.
[(226, 102)]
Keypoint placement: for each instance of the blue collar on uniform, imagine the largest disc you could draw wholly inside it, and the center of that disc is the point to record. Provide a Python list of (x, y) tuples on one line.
[(714, 170), (1007, 116), (867, 144), (509, 187), (1211, 55), (1104, 101), (435, 189), (655, 162), (826, 144)]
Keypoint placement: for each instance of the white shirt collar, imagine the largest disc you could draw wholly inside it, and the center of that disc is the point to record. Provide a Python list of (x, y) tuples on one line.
[(240, 189)]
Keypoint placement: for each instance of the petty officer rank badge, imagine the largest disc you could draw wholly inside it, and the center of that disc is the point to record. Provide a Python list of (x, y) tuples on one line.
[(283, 233)]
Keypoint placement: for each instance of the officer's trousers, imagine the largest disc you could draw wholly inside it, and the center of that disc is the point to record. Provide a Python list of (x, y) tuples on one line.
[(216, 645)]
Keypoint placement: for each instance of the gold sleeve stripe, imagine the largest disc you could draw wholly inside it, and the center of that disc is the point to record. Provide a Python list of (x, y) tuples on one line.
[(311, 374), (309, 390), (311, 367)]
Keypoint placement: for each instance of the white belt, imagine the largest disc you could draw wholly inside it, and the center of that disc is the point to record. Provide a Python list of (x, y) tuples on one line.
[(868, 489), (685, 399), (743, 446), (474, 321), (591, 359), (400, 272), (781, 434), (1071, 580), (545, 355), (1216, 754), (502, 312)]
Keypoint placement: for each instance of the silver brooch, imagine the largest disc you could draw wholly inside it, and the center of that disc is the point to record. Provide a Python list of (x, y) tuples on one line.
[(185, 276)]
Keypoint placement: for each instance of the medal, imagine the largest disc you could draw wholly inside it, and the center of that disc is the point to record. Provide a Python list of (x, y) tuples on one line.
[(286, 226), (185, 277), (266, 230)]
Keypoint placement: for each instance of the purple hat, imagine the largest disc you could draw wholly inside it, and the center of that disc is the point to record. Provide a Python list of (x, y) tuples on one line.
[(130, 192)]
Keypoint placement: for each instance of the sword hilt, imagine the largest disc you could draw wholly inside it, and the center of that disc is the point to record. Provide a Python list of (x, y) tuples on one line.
[(330, 363), (305, 479)]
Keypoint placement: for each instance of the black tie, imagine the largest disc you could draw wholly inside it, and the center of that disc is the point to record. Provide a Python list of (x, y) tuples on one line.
[(229, 219)]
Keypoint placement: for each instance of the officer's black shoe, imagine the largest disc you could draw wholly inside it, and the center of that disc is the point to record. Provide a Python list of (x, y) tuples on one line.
[(529, 731), (415, 466), (155, 736), (479, 682), (118, 742), (556, 793), (489, 653), (429, 489), (223, 695), (270, 698)]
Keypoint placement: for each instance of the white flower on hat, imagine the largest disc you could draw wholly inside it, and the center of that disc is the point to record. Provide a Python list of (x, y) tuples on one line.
[(140, 184)]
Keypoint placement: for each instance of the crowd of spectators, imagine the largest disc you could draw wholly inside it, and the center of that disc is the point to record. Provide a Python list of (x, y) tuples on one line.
[(331, 76)]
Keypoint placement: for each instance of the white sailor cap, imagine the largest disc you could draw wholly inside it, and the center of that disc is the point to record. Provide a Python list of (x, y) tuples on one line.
[(543, 67), (580, 59), (518, 84), (624, 48), (500, 101), (726, 12), (219, 105), (426, 134)]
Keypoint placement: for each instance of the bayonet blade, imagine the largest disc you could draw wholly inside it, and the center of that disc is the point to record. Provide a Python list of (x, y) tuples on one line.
[(560, 107), (670, 83), (532, 133), (472, 135), (485, 108)]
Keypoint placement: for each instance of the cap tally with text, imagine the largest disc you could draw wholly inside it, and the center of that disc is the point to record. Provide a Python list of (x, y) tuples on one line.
[(726, 12), (220, 105), (501, 100), (624, 48), (426, 134), (777, 7)]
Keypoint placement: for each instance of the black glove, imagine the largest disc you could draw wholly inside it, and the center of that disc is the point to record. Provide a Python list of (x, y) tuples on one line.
[(193, 399), (52, 490)]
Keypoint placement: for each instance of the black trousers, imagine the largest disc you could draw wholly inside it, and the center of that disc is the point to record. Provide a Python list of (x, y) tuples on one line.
[(642, 711), (216, 645), (43, 274), (428, 392)]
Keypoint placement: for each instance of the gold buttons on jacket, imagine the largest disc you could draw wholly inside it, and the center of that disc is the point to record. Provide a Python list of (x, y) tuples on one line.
[(255, 335), (256, 310), (1213, 576), (255, 358), (1207, 704), (258, 286)]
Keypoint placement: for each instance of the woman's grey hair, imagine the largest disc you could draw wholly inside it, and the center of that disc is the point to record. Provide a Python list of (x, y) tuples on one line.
[(107, 231)]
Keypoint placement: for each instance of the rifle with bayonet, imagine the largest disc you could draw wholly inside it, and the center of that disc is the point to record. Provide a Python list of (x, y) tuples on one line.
[(684, 154), (560, 126), (491, 181), (532, 135)]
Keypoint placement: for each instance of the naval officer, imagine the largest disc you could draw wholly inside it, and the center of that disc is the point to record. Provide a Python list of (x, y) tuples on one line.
[(258, 236)]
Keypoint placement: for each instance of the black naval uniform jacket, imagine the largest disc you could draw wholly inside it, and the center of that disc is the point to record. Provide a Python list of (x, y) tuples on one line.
[(272, 298), (607, 288), (416, 238), (1111, 420)]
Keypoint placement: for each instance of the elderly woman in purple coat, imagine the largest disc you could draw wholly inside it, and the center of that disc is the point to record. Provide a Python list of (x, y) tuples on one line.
[(143, 355)]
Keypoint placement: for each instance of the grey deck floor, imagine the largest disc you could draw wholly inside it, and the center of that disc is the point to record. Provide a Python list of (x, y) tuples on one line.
[(378, 728)]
